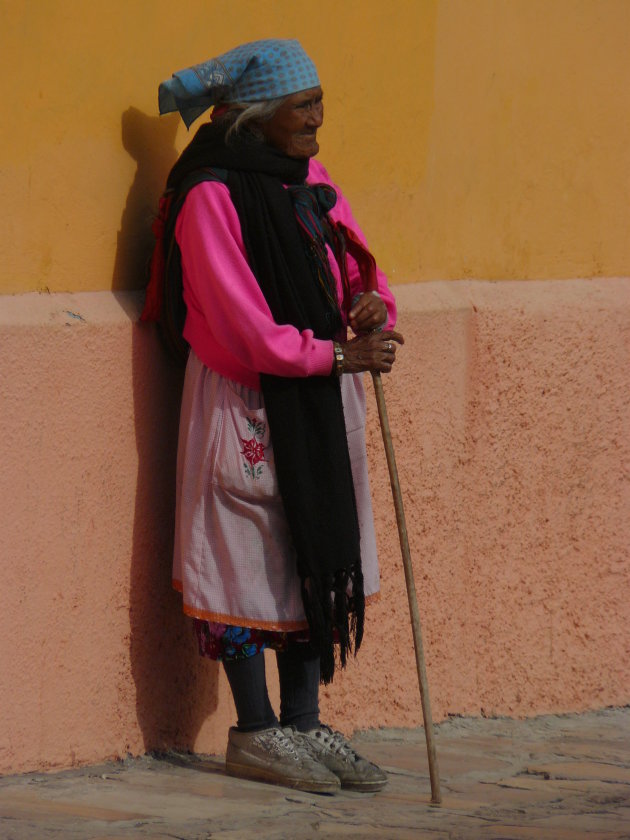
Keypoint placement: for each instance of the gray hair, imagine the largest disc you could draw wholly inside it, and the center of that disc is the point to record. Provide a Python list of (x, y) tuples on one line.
[(247, 115)]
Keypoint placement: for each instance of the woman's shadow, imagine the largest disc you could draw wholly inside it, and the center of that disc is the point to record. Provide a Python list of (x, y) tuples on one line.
[(175, 689)]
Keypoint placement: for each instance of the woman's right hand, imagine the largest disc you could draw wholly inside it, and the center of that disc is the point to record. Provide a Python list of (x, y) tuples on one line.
[(374, 351)]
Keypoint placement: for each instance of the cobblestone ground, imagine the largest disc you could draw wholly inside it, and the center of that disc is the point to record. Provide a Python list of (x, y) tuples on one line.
[(557, 777)]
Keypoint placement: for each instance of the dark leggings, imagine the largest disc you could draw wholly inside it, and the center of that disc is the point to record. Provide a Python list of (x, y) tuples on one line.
[(299, 690)]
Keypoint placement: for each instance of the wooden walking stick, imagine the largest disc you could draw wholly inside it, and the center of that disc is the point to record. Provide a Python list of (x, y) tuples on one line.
[(367, 270), (436, 797)]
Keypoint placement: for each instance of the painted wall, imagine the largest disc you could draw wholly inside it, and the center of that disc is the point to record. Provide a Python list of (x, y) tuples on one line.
[(483, 140), (486, 139), (510, 411)]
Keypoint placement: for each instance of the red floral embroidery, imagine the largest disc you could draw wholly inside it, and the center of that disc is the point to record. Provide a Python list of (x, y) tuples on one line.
[(253, 450)]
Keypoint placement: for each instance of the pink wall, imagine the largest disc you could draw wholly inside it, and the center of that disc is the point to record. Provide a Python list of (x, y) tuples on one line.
[(510, 413)]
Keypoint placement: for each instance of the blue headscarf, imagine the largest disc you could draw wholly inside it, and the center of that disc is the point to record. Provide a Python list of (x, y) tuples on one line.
[(250, 73)]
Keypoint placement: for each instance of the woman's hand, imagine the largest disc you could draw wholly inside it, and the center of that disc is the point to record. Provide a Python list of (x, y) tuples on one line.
[(367, 313), (375, 351)]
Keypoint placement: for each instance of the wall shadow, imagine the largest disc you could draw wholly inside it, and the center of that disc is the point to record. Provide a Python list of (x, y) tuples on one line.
[(176, 690), (150, 141)]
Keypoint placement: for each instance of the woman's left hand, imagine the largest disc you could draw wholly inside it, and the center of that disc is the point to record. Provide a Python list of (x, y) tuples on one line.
[(368, 313)]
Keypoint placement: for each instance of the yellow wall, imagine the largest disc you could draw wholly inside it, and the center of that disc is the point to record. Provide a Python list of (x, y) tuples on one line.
[(475, 138)]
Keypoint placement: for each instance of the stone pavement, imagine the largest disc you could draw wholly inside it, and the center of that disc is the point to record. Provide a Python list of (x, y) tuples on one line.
[(557, 777)]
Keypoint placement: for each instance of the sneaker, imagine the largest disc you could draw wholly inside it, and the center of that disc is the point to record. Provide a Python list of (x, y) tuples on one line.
[(276, 756), (333, 751)]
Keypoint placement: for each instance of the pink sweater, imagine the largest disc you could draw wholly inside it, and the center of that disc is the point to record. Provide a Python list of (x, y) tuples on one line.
[(229, 325)]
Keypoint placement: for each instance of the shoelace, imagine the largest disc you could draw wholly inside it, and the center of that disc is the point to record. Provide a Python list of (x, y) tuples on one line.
[(335, 742), (283, 742)]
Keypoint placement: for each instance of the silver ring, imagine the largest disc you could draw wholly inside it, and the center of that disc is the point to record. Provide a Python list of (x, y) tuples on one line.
[(389, 346)]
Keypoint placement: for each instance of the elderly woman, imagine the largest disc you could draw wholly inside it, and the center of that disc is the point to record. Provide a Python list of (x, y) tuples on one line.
[(274, 542)]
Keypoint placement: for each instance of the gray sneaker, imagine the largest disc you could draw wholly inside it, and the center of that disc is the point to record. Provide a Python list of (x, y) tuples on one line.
[(276, 756), (332, 750)]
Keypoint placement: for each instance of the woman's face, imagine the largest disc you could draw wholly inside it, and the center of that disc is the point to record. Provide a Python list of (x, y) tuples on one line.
[(293, 128)]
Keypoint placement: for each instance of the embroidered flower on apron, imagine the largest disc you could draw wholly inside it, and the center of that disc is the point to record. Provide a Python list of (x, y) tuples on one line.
[(253, 450)]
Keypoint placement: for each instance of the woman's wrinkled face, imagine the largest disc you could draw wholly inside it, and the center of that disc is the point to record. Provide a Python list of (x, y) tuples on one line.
[(293, 128)]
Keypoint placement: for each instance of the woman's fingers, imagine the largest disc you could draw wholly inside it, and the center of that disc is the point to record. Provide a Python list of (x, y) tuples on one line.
[(392, 335), (390, 339), (368, 313), (374, 352)]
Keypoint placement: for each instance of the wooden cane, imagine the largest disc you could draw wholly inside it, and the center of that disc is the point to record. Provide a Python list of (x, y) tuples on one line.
[(436, 797)]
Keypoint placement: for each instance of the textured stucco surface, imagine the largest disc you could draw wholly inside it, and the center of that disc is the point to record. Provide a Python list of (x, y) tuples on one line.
[(511, 419)]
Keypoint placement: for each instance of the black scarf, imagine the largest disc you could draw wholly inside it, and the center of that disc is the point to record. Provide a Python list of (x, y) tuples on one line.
[(305, 415)]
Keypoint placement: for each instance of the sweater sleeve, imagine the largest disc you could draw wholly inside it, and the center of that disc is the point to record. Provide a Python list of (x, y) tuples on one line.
[(224, 298), (343, 213)]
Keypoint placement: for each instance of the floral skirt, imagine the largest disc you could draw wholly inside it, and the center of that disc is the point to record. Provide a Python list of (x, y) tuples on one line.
[(228, 642)]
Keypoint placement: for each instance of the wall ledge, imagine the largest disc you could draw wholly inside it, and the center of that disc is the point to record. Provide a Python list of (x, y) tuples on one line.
[(76, 308)]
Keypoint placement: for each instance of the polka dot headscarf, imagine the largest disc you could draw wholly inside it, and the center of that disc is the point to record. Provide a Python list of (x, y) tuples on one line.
[(249, 73)]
